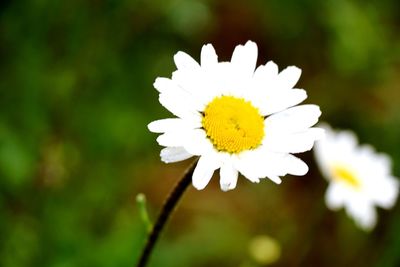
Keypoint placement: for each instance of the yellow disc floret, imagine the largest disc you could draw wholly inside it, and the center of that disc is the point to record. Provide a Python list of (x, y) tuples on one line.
[(233, 124), (347, 176)]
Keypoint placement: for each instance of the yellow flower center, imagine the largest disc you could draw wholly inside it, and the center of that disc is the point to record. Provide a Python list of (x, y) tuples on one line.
[(345, 175), (233, 124)]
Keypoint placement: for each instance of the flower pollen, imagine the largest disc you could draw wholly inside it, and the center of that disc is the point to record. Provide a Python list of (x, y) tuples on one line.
[(343, 174), (233, 124)]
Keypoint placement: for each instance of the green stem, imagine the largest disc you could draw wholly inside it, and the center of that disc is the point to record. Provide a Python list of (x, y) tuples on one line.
[(144, 215), (165, 213)]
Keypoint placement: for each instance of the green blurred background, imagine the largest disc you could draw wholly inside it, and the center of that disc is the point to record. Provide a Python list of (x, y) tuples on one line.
[(76, 96)]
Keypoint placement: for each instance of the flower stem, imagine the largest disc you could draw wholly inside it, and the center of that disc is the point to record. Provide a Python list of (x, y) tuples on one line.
[(165, 213)]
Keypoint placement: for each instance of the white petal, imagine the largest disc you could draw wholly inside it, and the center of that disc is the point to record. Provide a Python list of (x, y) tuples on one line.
[(184, 61), (265, 74), (228, 79), (294, 119), (247, 163), (289, 77), (272, 67), (385, 191), (271, 165), (197, 84), (208, 56), (279, 100), (180, 104), (229, 176), (259, 163), (265, 79), (204, 171), (275, 179), (164, 85), (384, 162), (333, 197), (326, 152), (245, 58), (378, 163), (363, 213), (294, 97), (172, 125), (197, 143), (322, 162), (294, 143), (295, 166), (345, 140), (175, 139), (174, 154)]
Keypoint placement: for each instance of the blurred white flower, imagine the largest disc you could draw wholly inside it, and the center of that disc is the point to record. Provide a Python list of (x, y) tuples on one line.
[(235, 117), (359, 178)]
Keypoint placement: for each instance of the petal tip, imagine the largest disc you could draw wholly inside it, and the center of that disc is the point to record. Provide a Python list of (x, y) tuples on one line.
[(150, 127), (250, 43), (227, 187), (277, 181), (198, 187)]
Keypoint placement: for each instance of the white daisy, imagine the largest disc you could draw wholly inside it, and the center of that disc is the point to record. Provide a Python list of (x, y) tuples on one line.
[(235, 117), (359, 178)]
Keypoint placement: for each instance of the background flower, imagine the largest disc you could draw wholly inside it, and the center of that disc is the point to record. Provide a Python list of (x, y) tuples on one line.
[(359, 178)]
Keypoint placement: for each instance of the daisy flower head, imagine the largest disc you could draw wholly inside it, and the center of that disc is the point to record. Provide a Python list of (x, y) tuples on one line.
[(359, 178), (237, 118)]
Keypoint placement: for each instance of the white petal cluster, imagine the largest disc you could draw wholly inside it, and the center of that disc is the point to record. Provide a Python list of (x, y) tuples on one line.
[(288, 128), (373, 183)]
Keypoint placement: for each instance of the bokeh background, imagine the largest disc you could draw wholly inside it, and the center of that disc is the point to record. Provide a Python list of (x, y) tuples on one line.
[(76, 96)]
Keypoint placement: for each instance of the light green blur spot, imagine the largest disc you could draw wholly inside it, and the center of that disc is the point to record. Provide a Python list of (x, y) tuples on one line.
[(264, 250), (144, 215)]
